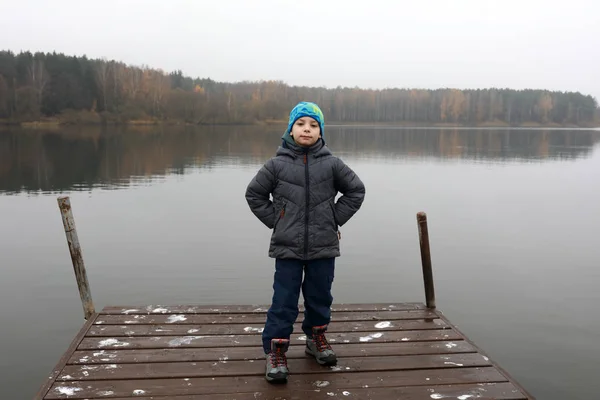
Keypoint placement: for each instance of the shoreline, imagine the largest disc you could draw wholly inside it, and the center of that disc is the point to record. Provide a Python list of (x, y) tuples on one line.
[(57, 124)]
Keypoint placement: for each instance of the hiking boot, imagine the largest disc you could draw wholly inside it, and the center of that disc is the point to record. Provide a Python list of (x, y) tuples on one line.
[(277, 369), (318, 347)]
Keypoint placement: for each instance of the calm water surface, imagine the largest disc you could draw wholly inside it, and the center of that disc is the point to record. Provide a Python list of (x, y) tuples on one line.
[(162, 219)]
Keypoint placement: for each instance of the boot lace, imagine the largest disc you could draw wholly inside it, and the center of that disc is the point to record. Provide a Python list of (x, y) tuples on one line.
[(278, 358), (321, 342)]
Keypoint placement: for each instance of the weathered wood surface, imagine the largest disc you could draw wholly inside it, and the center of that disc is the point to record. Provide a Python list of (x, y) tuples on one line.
[(485, 391), (426, 260), (248, 309), (64, 360), (241, 329), (385, 352), (91, 357), (246, 368), (64, 204), (256, 318), (161, 342)]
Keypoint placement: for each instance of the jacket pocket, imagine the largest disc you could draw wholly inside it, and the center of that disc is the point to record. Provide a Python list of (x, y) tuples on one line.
[(280, 216), (332, 206), (336, 225)]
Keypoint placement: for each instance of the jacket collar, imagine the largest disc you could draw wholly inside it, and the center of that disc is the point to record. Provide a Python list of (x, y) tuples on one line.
[(319, 149)]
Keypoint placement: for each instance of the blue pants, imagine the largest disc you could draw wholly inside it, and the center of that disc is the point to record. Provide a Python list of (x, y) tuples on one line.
[(316, 290)]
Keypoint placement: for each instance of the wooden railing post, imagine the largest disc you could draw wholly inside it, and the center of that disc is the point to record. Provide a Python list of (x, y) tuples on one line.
[(64, 204), (426, 260)]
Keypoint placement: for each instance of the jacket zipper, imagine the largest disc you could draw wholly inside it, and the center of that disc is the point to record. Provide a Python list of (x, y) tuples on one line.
[(306, 189)]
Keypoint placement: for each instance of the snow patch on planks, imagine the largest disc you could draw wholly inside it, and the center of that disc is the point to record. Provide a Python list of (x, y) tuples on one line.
[(385, 351), (248, 309)]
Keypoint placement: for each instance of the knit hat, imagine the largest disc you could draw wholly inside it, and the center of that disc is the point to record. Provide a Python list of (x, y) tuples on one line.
[(304, 109)]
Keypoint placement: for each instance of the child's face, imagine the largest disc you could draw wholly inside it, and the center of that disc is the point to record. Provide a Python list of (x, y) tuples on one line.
[(306, 131)]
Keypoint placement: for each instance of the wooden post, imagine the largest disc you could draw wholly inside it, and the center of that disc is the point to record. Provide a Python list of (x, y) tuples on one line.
[(426, 259), (73, 241)]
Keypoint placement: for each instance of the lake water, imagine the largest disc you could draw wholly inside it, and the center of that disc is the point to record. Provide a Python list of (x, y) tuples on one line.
[(513, 215)]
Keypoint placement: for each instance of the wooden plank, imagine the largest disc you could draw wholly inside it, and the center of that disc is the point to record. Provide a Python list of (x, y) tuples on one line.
[(238, 329), (200, 319), (481, 391), (225, 367), (65, 357), (248, 309), (158, 342), (494, 364), (91, 357), (343, 381)]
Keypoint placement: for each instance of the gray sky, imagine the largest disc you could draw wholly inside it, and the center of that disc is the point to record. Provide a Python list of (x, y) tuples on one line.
[(397, 43)]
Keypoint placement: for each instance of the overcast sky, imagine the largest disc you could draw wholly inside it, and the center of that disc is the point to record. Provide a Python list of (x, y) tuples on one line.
[(375, 43)]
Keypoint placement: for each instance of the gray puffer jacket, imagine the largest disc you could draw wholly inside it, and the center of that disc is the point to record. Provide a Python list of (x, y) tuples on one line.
[(303, 214)]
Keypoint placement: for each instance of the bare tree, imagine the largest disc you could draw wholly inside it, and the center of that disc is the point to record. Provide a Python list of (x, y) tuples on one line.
[(38, 77), (4, 97), (133, 77), (101, 75), (159, 86), (117, 73)]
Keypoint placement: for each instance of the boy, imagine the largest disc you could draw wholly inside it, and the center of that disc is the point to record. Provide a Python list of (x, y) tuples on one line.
[(304, 179)]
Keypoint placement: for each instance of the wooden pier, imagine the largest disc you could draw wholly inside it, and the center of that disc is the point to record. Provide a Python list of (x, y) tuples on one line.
[(386, 351)]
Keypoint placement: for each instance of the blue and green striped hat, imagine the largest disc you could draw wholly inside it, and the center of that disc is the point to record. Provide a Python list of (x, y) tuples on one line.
[(304, 109)]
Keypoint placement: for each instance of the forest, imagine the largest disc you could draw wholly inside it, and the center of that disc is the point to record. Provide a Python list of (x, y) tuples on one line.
[(79, 90)]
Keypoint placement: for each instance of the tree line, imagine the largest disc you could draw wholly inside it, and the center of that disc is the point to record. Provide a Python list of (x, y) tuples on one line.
[(73, 89)]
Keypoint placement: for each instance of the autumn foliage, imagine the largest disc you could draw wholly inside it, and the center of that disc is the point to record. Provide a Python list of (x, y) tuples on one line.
[(82, 90)]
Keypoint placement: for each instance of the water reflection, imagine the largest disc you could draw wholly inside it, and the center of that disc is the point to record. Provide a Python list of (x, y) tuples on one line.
[(472, 144), (81, 159)]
